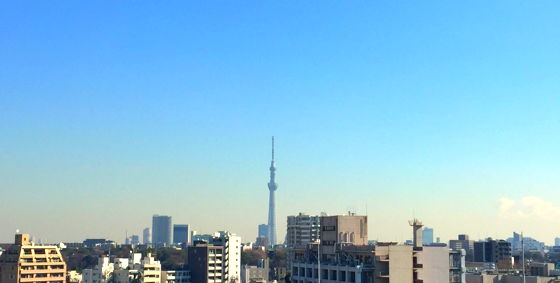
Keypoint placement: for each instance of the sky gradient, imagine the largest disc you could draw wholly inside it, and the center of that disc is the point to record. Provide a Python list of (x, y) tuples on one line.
[(112, 111)]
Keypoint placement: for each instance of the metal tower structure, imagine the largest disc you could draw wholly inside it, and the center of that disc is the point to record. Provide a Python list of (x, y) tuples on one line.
[(272, 186)]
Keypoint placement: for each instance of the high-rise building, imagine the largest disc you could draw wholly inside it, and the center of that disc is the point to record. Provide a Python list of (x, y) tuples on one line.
[(181, 234), (272, 187), (557, 241), (161, 231), (302, 229), (26, 262), (263, 231), (146, 236), (427, 236)]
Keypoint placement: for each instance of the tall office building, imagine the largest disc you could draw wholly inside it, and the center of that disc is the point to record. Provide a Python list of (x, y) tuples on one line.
[(146, 236), (427, 236), (302, 229), (272, 187), (181, 234), (557, 242), (161, 230), (263, 231), (26, 262)]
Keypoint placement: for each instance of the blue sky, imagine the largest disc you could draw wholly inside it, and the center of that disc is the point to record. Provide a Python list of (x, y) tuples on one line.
[(113, 111)]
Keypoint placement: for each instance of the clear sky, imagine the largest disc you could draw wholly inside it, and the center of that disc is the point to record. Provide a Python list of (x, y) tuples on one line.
[(111, 111)]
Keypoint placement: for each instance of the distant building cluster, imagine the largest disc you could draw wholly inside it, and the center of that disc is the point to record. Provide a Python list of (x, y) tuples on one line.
[(316, 249)]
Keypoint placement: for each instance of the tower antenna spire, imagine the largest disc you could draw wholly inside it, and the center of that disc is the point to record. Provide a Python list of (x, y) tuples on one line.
[(272, 148)]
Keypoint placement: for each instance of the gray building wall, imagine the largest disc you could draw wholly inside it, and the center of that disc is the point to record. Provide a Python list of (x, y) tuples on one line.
[(161, 230)]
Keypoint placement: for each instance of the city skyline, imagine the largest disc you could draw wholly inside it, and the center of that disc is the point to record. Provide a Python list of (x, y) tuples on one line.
[(111, 113)]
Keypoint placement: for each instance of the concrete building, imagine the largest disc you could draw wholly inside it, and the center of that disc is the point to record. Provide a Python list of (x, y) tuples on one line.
[(161, 231), (176, 276), (100, 273), (494, 251), (151, 270), (427, 236), (272, 187), (206, 263), (26, 262), (219, 254), (262, 231), (348, 229), (557, 242), (463, 243), (181, 235), (302, 229), (382, 263), (255, 274), (146, 239), (457, 266), (232, 254)]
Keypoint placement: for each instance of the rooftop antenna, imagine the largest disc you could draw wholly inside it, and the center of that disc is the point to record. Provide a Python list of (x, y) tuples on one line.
[(272, 148)]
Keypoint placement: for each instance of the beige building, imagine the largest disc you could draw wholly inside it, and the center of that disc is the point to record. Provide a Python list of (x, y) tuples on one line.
[(342, 229), (151, 270), (26, 262)]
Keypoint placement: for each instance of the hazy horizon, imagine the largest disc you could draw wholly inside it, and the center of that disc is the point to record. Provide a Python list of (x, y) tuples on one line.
[(111, 112)]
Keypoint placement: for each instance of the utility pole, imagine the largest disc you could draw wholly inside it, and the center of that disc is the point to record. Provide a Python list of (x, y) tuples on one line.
[(319, 261), (523, 256)]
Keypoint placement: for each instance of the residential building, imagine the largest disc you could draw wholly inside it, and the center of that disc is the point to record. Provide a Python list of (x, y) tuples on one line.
[(151, 270), (100, 273), (26, 262), (232, 254), (302, 229), (161, 231), (206, 263), (176, 276), (219, 255), (181, 235), (427, 236)]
